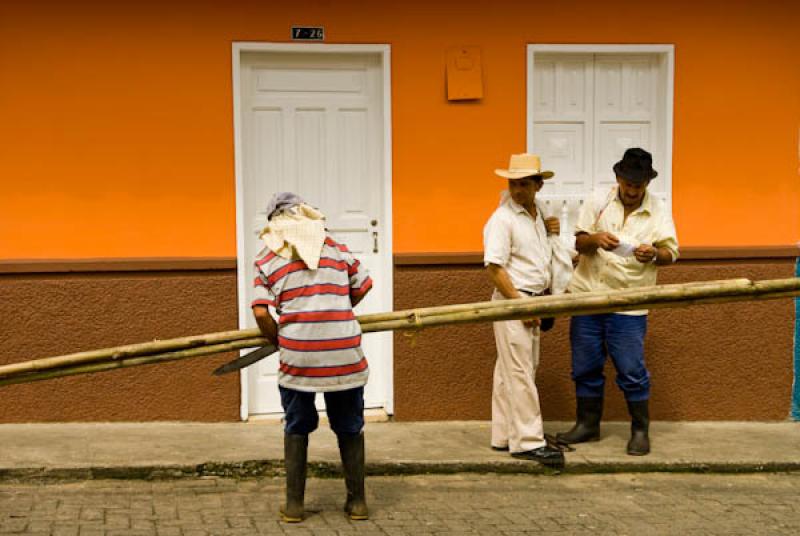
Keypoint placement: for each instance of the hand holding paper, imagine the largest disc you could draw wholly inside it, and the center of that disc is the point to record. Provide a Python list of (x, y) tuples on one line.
[(646, 253), (605, 240), (624, 249)]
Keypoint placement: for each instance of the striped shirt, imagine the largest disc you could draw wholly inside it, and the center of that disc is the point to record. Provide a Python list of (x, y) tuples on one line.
[(318, 335)]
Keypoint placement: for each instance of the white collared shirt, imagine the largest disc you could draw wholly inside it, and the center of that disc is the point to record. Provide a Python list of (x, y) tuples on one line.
[(513, 239), (651, 224)]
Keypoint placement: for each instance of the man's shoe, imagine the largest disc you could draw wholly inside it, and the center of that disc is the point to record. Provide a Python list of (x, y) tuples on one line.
[(545, 455)]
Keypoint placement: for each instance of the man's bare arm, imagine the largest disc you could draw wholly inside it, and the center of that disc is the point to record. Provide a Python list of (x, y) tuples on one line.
[(355, 300), (502, 281), (663, 257), (588, 244), (266, 323)]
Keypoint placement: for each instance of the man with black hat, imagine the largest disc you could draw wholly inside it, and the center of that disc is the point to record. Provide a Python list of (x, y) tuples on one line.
[(622, 236)]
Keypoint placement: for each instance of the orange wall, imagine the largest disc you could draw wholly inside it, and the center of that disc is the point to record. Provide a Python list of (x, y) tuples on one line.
[(116, 134)]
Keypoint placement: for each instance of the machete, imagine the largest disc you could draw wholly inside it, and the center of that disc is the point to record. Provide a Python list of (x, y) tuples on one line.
[(246, 360)]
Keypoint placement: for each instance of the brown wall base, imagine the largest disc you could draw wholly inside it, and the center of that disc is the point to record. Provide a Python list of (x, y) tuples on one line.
[(55, 314), (711, 362)]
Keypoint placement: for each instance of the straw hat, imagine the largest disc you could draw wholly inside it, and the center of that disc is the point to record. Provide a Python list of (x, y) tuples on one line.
[(524, 165)]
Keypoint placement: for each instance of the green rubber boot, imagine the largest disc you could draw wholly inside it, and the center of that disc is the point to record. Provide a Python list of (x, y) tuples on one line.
[(295, 453), (351, 448)]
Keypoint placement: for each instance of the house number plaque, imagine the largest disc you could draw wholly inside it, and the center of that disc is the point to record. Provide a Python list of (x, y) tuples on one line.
[(308, 33)]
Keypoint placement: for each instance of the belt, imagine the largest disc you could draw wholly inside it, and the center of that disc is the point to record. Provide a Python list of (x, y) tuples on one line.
[(534, 294)]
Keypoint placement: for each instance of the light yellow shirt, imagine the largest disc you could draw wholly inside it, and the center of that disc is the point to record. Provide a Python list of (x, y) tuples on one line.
[(651, 223), (513, 239)]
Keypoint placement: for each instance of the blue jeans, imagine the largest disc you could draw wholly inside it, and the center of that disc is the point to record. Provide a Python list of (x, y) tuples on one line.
[(345, 411), (621, 337)]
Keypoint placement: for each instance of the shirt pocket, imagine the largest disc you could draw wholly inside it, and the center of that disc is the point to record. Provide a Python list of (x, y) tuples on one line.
[(645, 230)]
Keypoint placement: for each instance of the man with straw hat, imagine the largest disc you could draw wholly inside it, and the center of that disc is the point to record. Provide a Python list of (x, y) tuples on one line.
[(622, 235), (313, 283), (518, 258)]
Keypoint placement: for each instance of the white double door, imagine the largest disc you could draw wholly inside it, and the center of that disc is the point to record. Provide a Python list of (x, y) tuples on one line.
[(312, 123), (587, 109)]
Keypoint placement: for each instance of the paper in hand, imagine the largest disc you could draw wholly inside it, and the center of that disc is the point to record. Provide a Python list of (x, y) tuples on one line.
[(624, 249)]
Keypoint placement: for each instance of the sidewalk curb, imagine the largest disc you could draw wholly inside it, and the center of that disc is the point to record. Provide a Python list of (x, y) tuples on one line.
[(274, 468)]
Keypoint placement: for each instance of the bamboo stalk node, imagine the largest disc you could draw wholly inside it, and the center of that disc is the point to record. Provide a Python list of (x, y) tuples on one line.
[(415, 318)]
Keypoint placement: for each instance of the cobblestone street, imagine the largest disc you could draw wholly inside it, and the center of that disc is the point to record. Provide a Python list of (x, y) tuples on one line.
[(418, 505)]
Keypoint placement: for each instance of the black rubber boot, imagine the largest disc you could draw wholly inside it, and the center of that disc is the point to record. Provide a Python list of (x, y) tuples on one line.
[(588, 413), (295, 455), (639, 444), (351, 448)]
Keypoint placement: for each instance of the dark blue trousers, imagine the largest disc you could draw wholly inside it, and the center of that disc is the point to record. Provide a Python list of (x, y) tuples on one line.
[(345, 411), (620, 336)]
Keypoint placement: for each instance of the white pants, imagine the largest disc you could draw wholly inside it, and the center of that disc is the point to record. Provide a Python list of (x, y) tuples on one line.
[(516, 415)]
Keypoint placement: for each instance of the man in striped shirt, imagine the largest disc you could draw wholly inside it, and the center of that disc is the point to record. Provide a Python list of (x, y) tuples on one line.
[(313, 282)]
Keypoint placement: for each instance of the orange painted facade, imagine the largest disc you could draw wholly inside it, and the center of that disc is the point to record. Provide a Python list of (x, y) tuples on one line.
[(116, 137)]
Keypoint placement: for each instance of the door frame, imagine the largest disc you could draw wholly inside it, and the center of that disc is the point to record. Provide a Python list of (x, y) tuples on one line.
[(668, 54), (384, 50)]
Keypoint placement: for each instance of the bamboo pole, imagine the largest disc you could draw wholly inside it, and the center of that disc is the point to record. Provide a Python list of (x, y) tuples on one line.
[(131, 350), (373, 327), (724, 286), (210, 339), (585, 303), (593, 305), (678, 295), (133, 361)]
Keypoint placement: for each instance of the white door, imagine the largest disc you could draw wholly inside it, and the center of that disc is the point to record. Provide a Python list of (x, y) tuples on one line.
[(313, 123), (625, 112), (586, 110), (563, 112)]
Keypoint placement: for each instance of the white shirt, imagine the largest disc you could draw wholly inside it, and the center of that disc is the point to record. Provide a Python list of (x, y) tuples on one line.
[(513, 239), (650, 224)]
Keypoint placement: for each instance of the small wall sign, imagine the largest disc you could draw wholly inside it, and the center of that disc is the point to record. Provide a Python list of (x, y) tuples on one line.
[(308, 33), (464, 73)]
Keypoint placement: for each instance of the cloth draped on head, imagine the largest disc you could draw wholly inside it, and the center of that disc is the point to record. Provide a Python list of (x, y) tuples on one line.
[(295, 229)]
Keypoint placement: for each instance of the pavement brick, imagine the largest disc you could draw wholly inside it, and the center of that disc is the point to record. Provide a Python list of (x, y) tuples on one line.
[(13, 525), (64, 530), (622, 504)]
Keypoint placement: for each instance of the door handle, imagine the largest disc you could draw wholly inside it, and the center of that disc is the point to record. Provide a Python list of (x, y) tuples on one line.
[(374, 241)]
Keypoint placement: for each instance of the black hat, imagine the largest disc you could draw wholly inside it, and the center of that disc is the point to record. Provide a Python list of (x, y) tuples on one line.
[(636, 166)]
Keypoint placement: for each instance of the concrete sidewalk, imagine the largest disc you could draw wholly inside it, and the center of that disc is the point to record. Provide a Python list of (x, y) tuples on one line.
[(166, 450)]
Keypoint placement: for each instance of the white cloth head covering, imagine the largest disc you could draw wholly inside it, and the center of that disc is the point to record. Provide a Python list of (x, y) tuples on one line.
[(295, 229), (281, 202)]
